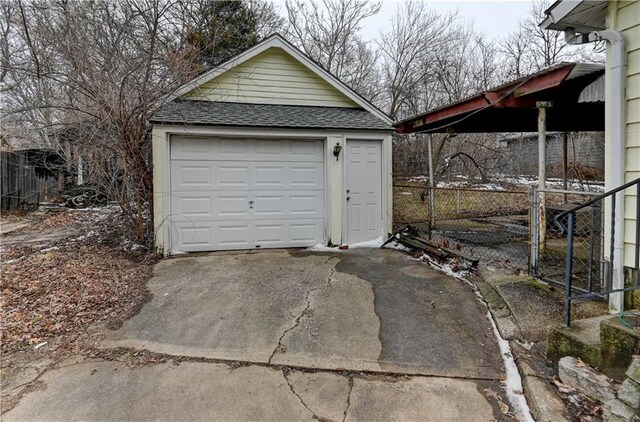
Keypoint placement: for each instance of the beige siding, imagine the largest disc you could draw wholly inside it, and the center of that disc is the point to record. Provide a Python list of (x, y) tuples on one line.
[(271, 77), (628, 21)]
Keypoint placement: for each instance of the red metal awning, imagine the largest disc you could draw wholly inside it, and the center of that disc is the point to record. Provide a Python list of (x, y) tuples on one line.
[(512, 107)]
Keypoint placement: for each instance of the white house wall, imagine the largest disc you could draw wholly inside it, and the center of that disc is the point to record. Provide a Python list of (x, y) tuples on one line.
[(624, 16), (334, 172)]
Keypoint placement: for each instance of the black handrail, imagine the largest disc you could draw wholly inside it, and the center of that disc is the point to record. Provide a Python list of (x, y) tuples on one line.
[(563, 229), (570, 238), (598, 198)]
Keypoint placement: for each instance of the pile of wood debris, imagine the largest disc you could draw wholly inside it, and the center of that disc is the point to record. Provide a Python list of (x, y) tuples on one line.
[(410, 241)]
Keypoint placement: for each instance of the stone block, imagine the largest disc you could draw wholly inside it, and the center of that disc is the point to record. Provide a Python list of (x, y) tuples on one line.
[(618, 345), (633, 371), (617, 411), (591, 383), (544, 402), (629, 393)]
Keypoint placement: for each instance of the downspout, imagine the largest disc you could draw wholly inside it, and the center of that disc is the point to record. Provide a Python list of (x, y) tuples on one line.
[(618, 72)]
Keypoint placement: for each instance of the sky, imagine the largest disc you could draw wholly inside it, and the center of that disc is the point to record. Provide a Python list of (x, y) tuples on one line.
[(493, 18)]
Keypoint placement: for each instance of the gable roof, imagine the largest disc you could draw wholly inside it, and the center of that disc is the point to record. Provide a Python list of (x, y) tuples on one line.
[(217, 113), (276, 40)]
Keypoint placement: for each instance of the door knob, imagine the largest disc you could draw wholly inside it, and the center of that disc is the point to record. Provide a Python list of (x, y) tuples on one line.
[(250, 204), (348, 197)]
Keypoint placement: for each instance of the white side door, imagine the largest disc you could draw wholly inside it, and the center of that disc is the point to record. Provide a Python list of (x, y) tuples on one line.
[(364, 190)]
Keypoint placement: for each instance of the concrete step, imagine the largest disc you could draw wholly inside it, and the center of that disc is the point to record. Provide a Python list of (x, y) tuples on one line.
[(603, 342), (581, 340), (618, 345)]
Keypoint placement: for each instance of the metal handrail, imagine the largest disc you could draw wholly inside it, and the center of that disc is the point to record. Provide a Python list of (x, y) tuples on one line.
[(599, 197), (570, 238)]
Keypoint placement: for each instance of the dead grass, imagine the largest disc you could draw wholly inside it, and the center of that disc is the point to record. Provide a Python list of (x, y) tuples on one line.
[(411, 203)]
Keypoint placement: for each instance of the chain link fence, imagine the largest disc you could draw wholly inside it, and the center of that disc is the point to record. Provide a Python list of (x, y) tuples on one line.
[(549, 262), (489, 225)]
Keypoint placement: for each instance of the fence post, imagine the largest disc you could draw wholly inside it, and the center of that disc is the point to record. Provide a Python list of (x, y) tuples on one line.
[(533, 232), (568, 272)]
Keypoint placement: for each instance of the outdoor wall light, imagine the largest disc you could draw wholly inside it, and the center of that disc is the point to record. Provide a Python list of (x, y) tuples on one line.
[(336, 150)]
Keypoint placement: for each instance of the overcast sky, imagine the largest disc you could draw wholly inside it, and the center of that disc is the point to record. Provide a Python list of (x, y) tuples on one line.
[(493, 18)]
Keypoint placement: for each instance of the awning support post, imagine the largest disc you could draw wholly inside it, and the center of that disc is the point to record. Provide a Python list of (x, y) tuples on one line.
[(565, 163), (542, 173)]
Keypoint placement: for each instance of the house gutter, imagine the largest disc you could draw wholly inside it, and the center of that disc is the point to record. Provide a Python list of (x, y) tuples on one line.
[(618, 72)]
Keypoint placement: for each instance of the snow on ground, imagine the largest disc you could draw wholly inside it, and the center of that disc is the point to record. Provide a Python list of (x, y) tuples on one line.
[(370, 244), (502, 182)]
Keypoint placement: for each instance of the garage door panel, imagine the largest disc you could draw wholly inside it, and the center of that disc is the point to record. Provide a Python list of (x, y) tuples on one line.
[(229, 235), (236, 149), (245, 193), (231, 206), (225, 205), (187, 176), (233, 176), (232, 235)]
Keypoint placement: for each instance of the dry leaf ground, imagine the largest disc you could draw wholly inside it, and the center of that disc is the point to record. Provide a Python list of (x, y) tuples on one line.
[(65, 272)]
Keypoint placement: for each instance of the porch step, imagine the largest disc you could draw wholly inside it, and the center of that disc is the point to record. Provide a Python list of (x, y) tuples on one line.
[(603, 342), (581, 340)]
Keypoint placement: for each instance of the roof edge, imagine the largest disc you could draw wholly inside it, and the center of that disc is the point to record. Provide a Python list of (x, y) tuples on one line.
[(277, 40)]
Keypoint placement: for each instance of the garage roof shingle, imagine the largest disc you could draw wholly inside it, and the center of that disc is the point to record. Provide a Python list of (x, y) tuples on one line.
[(267, 115)]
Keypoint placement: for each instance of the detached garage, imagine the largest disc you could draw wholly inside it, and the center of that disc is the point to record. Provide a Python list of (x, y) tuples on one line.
[(269, 151)]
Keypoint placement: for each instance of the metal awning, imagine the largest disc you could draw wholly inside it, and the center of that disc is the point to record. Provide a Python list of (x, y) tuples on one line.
[(512, 107), (582, 15)]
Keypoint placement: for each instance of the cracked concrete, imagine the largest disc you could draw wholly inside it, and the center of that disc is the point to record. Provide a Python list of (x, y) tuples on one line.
[(277, 335)]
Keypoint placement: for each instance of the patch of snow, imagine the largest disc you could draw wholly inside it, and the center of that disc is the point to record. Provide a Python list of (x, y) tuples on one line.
[(406, 193), (394, 244), (321, 247), (513, 382), (53, 248), (526, 344), (500, 180), (370, 244), (13, 261), (39, 345)]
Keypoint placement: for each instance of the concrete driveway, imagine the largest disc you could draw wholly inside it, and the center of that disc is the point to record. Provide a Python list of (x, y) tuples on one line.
[(290, 335)]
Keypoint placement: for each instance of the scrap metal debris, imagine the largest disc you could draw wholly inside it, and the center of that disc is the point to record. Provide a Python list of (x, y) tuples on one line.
[(410, 241)]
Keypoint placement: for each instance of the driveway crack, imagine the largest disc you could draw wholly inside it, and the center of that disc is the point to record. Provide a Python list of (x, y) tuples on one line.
[(279, 347), (344, 414), (285, 372)]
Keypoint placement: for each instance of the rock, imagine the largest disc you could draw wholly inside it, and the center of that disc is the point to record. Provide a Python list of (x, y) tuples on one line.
[(578, 375), (617, 411), (633, 371), (508, 328), (629, 393), (544, 403)]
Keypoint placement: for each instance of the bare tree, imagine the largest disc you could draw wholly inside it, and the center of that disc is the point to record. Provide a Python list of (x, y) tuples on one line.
[(530, 48), (87, 75), (416, 36), (328, 32)]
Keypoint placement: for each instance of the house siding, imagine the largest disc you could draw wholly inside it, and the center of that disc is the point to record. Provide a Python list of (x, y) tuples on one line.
[(624, 16), (271, 77)]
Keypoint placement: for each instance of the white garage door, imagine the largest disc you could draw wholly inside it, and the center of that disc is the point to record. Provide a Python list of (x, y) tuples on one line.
[(245, 193)]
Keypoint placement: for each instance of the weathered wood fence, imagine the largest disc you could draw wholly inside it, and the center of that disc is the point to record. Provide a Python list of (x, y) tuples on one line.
[(26, 179)]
